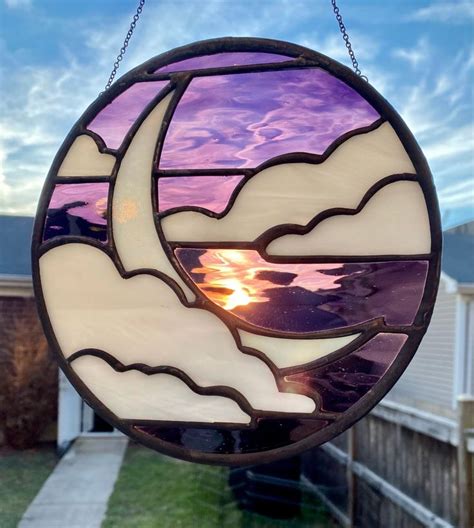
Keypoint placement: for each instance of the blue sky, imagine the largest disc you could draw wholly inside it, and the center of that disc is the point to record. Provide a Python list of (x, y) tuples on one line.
[(55, 56)]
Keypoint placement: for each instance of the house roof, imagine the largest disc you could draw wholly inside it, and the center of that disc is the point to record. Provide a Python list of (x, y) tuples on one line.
[(458, 257), (449, 225), (15, 242)]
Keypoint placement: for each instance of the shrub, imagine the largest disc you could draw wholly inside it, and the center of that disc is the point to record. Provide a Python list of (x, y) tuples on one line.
[(28, 376)]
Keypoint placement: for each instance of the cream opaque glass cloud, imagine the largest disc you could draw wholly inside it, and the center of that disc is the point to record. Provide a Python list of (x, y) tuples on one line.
[(144, 321), (288, 191), (379, 229), (84, 159), (154, 397)]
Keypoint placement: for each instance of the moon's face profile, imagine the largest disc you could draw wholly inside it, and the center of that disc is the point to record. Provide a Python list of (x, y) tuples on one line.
[(236, 252)]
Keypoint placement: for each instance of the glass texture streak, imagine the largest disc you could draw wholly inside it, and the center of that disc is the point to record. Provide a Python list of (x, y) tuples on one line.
[(243, 120), (78, 209), (209, 192), (220, 60), (306, 297), (114, 121), (343, 383)]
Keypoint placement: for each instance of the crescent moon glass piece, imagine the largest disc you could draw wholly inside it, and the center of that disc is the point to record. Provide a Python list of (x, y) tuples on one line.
[(237, 251)]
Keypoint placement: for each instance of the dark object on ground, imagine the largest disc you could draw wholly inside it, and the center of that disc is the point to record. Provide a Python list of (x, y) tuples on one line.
[(269, 489)]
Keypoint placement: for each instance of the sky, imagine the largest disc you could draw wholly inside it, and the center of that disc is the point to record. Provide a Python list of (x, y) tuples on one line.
[(56, 56)]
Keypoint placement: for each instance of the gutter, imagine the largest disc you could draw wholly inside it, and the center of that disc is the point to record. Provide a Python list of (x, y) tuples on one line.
[(16, 286), (466, 288)]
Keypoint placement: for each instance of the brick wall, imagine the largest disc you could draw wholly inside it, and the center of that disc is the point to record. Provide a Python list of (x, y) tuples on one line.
[(28, 375)]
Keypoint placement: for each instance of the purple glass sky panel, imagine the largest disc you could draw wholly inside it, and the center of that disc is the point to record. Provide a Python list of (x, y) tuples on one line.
[(243, 120), (210, 192), (115, 120), (78, 209), (344, 382), (218, 60), (306, 297), (268, 434)]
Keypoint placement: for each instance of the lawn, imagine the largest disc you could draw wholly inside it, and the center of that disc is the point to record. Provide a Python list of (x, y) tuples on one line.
[(21, 475), (154, 491)]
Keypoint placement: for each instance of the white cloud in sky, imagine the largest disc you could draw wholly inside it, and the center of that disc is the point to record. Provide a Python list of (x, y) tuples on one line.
[(456, 196), (439, 112), (460, 11), (36, 112), (14, 4), (461, 141), (437, 106), (365, 47), (415, 55)]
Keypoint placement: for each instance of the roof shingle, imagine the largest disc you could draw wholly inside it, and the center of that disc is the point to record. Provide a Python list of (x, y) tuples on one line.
[(15, 242)]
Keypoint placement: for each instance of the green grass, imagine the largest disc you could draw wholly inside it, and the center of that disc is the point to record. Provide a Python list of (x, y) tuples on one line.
[(154, 491), (22, 474)]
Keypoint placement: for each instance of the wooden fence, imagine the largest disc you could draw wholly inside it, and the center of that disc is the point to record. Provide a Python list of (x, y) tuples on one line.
[(398, 468)]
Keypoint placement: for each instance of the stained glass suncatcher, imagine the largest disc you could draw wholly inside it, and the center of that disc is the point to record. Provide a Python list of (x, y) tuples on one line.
[(236, 252)]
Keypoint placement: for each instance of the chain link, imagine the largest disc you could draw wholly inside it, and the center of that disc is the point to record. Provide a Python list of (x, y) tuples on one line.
[(345, 37), (124, 47), (136, 16)]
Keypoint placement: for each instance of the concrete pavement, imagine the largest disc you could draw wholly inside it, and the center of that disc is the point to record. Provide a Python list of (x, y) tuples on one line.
[(76, 493)]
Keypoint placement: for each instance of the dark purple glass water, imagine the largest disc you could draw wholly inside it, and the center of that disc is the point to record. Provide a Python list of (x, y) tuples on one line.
[(78, 209), (268, 433), (305, 297), (343, 383)]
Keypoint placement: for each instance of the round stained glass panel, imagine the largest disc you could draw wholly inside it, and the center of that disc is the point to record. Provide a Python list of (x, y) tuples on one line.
[(236, 252)]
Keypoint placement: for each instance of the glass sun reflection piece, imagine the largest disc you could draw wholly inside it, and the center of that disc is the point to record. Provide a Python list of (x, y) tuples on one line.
[(237, 251)]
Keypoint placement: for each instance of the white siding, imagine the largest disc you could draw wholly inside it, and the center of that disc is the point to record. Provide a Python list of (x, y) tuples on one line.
[(428, 382), (69, 413), (468, 386)]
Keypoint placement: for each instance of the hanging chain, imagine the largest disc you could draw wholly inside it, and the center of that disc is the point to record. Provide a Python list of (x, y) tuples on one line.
[(345, 36), (136, 17), (124, 47)]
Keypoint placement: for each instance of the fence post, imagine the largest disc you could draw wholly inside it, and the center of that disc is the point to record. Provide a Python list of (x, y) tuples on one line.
[(351, 485), (465, 463)]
